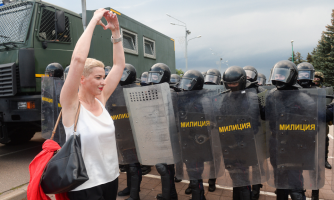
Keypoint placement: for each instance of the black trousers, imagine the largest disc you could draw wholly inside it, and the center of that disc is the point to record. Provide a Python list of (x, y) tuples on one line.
[(107, 191)]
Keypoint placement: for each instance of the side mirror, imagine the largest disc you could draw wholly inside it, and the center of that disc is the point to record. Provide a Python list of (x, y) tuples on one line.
[(60, 23)]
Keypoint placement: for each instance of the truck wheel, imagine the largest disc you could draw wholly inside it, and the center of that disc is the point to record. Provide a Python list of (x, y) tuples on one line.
[(21, 137)]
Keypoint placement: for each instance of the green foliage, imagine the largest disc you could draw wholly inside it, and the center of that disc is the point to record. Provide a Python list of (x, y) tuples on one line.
[(309, 58), (179, 72), (323, 56), (297, 58)]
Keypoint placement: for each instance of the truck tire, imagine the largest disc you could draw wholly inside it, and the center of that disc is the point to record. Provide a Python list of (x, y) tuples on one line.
[(18, 133), (21, 137)]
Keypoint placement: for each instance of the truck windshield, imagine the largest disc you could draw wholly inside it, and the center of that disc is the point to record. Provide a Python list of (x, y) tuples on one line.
[(14, 22)]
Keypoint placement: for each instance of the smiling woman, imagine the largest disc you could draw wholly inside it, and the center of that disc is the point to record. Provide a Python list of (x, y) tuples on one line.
[(95, 126)]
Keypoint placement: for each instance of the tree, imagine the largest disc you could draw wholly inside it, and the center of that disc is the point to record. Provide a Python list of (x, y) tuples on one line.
[(309, 58), (323, 58), (297, 58), (179, 72)]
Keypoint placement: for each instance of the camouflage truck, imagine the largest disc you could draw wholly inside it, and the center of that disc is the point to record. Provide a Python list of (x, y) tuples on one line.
[(35, 33)]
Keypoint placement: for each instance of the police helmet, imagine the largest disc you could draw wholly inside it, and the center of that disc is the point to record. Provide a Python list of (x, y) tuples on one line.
[(261, 79), (234, 78), (174, 78), (107, 69), (251, 73), (159, 73), (203, 73), (144, 78), (213, 77), (305, 74), (129, 74), (191, 80), (283, 74), (67, 69), (54, 70)]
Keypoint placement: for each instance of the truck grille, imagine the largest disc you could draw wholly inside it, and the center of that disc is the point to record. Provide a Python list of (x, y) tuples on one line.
[(8, 79)]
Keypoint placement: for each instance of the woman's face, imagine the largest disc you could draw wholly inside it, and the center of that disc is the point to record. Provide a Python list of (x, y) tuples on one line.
[(94, 82)]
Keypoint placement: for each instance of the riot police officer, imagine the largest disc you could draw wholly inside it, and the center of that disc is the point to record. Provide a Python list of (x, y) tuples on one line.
[(190, 81), (252, 82), (160, 73), (174, 80), (284, 76), (143, 79), (305, 74), (67, 69), (261, 79), (133, 170), (318, 81), (235, 80), (107, 69), (212, 77), (54, 70)]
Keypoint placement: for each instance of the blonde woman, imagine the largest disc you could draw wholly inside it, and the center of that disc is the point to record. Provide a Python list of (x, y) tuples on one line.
[(95, 126)]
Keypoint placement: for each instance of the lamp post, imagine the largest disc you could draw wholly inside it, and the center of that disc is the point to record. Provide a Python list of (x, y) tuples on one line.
[(187, 32), (292, 50)]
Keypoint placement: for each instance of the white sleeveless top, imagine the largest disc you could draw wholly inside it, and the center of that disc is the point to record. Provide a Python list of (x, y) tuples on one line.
[(98, 147)]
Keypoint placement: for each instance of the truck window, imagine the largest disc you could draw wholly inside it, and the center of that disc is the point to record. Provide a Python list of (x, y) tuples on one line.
[(47, 30), (14, 23)]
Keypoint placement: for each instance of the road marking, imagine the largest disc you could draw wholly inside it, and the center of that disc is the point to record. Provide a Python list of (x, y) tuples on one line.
[(217, 186), (19, 151)]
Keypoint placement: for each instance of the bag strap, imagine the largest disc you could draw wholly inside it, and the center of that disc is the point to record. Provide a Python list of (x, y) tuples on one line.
[(75, 121)]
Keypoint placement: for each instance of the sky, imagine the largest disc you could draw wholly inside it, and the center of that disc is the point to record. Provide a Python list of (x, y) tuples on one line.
[(242, 32)]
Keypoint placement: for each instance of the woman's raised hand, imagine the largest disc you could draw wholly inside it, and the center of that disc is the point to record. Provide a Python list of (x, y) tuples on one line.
[(112, 20)]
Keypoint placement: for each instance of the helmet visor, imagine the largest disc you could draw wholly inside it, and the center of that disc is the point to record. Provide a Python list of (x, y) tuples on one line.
[(187, 83), (125, 75), (261, 81), (250, 74), (143, 79), (305, 75), (281, 74), (154, 77), (173, 80), (211, 79)]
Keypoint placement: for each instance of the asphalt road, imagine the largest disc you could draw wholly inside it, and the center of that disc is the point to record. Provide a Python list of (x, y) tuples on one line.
[(15, 160)]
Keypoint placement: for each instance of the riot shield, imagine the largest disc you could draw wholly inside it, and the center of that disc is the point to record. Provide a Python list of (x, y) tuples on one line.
[(296, 138), (329, 91), (218, 88), (241, 136), (51, 88), (200, 155), (268, 87), (149, 109), (116, 107)]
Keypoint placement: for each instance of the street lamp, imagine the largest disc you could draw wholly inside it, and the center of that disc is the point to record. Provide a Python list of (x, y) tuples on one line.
[(186, 41), (292, 50)]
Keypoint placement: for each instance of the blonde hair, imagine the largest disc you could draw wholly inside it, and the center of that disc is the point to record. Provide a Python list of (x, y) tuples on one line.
[(90, 64)]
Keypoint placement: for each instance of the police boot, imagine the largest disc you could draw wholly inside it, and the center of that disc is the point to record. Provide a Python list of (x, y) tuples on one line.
[(145, 169), (327, 165), (176, 180), (188, 190), (256, 191), (212, 185), (282, 194), (122, 168), (167, 182), (126, 191), (315, 195), (297, 195), (136, 177), (242, 193), (197, 190)]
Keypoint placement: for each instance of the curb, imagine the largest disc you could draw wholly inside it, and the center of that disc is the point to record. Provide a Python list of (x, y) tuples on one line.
[(18, 194)]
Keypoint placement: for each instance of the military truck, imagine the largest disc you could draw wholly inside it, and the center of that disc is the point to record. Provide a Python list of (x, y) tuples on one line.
[(35, 33)]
